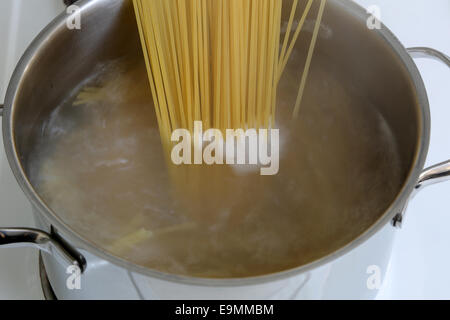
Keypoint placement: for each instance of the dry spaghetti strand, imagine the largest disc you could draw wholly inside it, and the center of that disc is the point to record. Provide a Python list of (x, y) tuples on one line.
[(219, 61)]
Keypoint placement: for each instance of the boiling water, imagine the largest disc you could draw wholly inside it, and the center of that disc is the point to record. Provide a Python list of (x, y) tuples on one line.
[(101, 168)]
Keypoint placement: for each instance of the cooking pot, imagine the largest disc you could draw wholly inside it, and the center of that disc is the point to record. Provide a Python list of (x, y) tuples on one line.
[(59, 58)]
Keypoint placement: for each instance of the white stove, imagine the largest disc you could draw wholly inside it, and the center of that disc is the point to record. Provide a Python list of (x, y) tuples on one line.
[(420, 260)]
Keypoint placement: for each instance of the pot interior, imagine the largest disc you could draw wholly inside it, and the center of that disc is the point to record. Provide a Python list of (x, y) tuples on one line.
[(100, 167)]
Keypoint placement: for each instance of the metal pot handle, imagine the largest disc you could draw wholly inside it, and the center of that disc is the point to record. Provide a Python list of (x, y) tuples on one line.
[(440, 172), (26, 237)]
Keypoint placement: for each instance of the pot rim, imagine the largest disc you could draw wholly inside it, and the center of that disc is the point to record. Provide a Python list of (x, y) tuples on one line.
[(80, 242)]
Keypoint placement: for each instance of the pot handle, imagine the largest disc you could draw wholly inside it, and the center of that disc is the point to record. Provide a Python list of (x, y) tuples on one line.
[(26, 237), (440, 172)]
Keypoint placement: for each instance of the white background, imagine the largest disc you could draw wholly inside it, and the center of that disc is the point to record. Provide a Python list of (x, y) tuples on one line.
[(421, 259)]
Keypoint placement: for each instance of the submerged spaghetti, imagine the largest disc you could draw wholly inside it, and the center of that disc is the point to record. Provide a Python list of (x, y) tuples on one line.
[(218, 61)]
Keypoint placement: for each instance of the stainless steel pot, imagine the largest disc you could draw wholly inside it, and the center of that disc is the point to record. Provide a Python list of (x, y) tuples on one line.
[(57, 60)]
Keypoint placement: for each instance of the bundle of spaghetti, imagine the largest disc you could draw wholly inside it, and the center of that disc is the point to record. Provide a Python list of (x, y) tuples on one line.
[(218, 62)]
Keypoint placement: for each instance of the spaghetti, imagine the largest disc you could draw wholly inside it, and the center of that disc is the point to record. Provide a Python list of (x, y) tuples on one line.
[(219, 61)]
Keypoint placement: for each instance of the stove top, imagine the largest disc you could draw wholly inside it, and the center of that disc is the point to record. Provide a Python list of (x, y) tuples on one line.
[(420, 260)]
